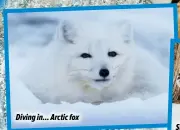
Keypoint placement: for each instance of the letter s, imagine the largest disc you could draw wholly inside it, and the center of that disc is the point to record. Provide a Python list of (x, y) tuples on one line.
[(178, 127)]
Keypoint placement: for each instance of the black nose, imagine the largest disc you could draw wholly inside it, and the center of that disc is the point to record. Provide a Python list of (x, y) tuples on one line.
[(104, 73)]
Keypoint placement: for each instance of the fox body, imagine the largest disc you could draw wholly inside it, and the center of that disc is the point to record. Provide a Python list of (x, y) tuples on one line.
[(94, 62)]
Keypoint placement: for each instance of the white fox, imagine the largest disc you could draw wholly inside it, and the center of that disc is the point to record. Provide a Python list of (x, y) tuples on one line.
[(94, 62)]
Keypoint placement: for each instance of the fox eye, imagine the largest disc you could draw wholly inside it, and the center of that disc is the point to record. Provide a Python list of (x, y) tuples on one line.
[(85, 55), (112, 54)]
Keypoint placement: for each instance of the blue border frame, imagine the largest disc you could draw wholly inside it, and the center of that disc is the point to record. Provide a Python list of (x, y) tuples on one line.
[(171, 76), (83, 8)]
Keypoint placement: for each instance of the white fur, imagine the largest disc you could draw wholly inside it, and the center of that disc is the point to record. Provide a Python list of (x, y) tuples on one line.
[(60, 74)]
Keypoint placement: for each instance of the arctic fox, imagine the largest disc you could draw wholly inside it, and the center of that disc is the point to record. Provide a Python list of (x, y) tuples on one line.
[(94, 62)]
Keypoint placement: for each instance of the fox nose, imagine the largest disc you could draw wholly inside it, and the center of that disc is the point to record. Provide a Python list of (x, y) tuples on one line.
[(104, 73)]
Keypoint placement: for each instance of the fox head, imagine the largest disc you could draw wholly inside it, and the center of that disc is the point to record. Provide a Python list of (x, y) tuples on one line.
[(98, 53)]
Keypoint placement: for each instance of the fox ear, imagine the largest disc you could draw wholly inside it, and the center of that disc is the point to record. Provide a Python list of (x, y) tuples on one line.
[(127, 31), (67, 32)]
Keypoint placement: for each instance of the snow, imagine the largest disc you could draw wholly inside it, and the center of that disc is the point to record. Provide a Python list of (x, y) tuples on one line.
[(132, 110), (157, 27)]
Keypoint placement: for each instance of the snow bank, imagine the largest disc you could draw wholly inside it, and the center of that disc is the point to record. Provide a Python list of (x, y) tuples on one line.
[(131, 111)]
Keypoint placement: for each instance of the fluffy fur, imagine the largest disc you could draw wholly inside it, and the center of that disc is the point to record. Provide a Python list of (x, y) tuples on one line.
[(68, 68)]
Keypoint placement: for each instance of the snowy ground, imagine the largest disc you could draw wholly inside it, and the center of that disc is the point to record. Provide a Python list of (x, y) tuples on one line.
[(157, 28)]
